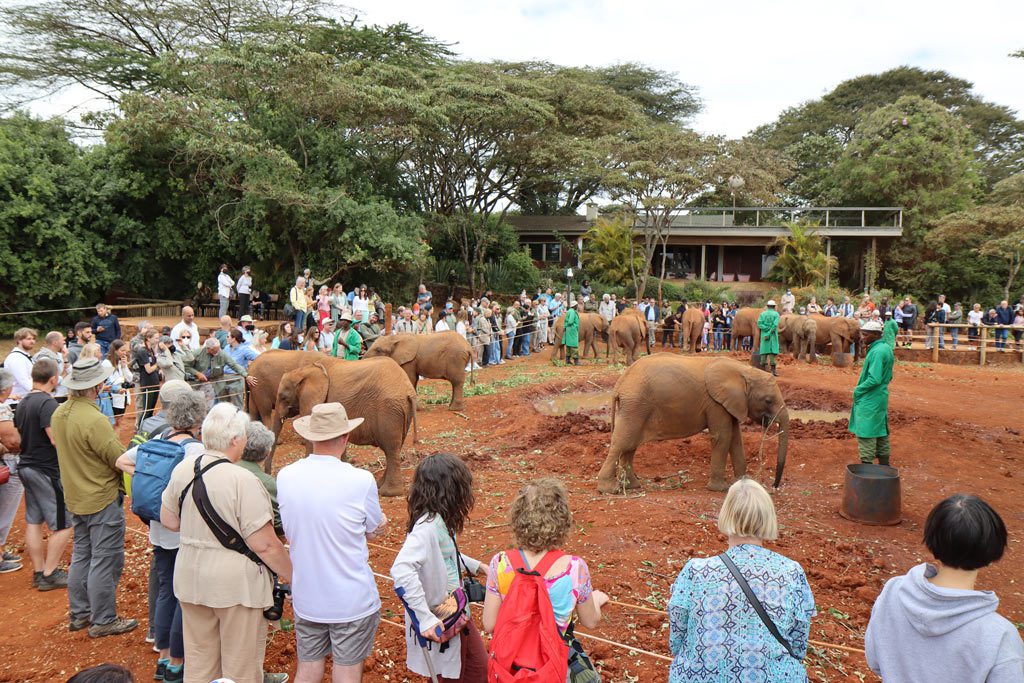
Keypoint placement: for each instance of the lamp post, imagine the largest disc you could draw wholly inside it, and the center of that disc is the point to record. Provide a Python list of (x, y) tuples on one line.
[(736, 182), (568, 277)]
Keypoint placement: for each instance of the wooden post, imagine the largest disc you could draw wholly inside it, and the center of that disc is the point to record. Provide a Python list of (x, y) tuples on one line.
[(387, 319), (828, 256), (984, 344), (703, 262), (934, 333)]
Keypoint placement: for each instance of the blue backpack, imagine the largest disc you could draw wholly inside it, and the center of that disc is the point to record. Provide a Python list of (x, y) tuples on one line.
[(154, 462)]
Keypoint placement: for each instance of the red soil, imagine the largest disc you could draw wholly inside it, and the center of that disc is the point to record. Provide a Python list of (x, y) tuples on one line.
[(955, 428)]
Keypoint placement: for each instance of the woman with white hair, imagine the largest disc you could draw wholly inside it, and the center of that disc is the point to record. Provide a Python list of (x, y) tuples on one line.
[(10, 493), (223, 592), (715, 630)]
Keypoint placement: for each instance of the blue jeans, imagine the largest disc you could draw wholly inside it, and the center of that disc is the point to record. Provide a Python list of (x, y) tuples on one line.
[(300, 322), (954, 332), (1001, 338), (10, 497), (495, 350), (104, 346), (719, 339), (524, 346), (510, 345), (224, 303), (168, 612)]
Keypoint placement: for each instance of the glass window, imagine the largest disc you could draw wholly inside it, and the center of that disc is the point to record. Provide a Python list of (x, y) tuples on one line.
[(554, 252), (536, 251)]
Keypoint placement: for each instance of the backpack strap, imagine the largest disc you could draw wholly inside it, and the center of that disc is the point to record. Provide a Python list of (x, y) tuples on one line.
[(518, 561)]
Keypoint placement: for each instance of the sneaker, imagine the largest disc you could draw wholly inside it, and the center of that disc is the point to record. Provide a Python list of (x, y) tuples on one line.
[(35, 579), (78, 624), (161, 669), (8, 566), (174, 674), (116, 627), (275, 678), (150, 635), (11, 557), (58, 579)]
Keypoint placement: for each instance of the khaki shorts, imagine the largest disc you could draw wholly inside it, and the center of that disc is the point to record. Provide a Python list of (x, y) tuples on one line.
[(349, 643)]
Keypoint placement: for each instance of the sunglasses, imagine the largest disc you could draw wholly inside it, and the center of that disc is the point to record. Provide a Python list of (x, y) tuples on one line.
[(185, 336)]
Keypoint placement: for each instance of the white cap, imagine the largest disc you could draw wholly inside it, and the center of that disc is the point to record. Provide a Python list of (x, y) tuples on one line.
[(872, 326), (771, 303)]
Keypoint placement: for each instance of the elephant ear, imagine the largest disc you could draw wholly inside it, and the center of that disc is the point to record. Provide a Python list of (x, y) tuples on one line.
[(726, 382), (404, 350), (301, 389)]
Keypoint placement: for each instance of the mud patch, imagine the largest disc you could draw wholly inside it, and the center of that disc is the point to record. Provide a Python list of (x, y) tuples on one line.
[(595, 404)]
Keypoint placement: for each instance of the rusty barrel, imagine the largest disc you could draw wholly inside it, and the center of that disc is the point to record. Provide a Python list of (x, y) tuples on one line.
[(755, 359), (871, 494), (842, 360)]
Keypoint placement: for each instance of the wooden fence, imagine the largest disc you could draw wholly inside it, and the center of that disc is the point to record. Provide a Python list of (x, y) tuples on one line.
[(936, 332)]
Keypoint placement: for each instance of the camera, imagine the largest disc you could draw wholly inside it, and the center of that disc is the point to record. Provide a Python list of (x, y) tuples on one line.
[(127, 385), (475, 591), (274, 612)]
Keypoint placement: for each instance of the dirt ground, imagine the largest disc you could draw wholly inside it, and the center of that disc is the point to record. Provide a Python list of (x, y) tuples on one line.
[(954, 429)]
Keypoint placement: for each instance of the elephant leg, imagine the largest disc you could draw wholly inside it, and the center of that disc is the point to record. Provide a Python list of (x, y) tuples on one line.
[(608, 477), (739, 458), (629, 476), (390, 483), (456, 403), (720, 428)]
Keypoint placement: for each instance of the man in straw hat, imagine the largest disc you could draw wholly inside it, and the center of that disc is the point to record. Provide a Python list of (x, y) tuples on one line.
[(87, 450), (768, 323), (329, 509)]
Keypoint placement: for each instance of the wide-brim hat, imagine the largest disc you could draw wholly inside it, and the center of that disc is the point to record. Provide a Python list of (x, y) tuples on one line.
[(245, 319), (872, 326), (327, 421), (86, 374), (345, 316)]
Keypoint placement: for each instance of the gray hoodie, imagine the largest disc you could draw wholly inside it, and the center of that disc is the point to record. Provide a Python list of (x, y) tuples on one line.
[(921, 632)]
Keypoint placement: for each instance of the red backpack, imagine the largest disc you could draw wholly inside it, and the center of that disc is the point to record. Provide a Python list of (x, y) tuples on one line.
[(526, 646)]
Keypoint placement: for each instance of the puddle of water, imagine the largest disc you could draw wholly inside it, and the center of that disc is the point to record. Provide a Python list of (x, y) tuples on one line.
[(818, 415), (576, 403)]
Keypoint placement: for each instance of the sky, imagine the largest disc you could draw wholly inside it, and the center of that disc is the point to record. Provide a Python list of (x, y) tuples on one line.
[(749, 60)]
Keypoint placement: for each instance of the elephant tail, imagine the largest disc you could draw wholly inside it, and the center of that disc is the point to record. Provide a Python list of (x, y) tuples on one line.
[(415, 429), (615, 407)]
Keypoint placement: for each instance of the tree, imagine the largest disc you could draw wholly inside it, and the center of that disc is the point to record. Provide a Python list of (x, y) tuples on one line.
[(608, 255), (801, 259), (661, 96)]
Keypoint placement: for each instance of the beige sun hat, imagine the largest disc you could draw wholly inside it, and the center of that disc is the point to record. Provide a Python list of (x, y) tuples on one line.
[(345, 315), (327, 421), (87, 373)]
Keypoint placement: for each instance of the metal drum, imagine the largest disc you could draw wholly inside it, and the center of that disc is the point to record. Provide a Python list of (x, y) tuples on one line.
[(871, 494), (842, 360), (755, 359)]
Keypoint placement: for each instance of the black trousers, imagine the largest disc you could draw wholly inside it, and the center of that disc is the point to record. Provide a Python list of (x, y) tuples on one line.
[(243, 305)]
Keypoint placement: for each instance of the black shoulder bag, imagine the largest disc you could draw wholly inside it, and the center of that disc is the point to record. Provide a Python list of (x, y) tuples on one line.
[(756, 604), (226, 535)]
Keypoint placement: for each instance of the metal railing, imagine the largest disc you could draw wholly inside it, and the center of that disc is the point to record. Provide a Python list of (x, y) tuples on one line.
[(865, 217)]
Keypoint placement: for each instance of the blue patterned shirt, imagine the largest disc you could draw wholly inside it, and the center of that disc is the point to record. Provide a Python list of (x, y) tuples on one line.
[(717, 637)]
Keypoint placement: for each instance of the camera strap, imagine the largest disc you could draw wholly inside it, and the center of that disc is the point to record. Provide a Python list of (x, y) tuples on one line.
[(756, 604), (226, 535)]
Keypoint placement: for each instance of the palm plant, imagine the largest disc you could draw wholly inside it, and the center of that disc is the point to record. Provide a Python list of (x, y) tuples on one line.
[(801, 259), (606, 252)]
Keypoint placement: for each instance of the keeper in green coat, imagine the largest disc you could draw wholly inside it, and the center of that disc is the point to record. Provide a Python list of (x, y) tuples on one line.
[(869, 417), (768, 323), (571, 335), (347, 340)]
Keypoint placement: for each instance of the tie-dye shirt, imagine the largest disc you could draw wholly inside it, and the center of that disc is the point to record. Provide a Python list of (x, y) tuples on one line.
[(566, 590)]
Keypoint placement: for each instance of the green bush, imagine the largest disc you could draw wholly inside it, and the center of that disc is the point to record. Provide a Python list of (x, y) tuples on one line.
[(519, 273)]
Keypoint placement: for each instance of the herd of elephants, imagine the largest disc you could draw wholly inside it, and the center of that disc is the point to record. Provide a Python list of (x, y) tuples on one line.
[(658, 397)]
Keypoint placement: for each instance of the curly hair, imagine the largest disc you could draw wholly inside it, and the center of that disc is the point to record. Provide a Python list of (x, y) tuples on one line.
[(442, 485), (540, 515)]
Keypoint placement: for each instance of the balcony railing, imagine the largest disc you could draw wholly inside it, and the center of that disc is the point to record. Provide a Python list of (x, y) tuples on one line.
[(887, 217)]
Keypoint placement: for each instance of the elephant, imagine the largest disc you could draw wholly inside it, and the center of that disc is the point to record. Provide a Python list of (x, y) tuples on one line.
[(798, 334), (268, 368), (692, 329), (628, 331), (591, 325), (442, 355), (667, 396), (376, 390), (744, 324), (839, 332)]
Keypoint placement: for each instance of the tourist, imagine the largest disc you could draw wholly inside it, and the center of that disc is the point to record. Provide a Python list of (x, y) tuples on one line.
[(184, 413), (171, 359), (202, 296), (187, 323), (425, 299), (83, 335), (720, 323), (423, 323), (209, 367), (223, 593), (869, 417), (361, 304), (369, 331), (55, 348), (313, 341), (788, 301), (1018, 324), (297, 300), (442, 325), (330, 509), (499, 333), (830, 310), (121, 379), (429, 567), (668, 331), (866, 308), (286, 339), (106, 327), (931, 624), (40, 475), (404, 324), (19, 364), (650, 311), (606, 309), (706, 587), (768, 324), (813, 307), (845, 310), (586, 291), (338, 302), (323, 305), (10, 493), (909, 320), (87, 449), (543, 317), (103, 673), (1004, 316), (225, 283), (242, 353), (259, 341), (246, 326), (149, 373), (482, 332), (512, 314), (259, 442), (222, 332), (955, 317), (933, 314), (244, 289), (541, 522), (974, 317)]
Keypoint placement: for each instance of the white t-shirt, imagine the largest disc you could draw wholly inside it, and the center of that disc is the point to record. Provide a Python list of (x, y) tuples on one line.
[(441, 326), (19, 364), (195, 342), (224, 285), (327, 508), (460, 327), (159, 535), (244, 285), (974, 317)]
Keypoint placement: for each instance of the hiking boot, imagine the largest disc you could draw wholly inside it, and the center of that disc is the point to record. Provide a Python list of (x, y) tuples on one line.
[(35, 579), (8, 566), (174, 674), (275, 678), (775, 373), (58, 579), (11, 557), (78, 624), (161, 669), (116, 627)]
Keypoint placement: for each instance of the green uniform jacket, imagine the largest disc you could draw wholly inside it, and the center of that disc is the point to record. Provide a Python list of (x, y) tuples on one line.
[(768, 323), (571, 336), (869, 417), (352, 344)]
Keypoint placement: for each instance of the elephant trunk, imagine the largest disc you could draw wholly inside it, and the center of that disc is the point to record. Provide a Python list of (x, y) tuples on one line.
[(783, 420)]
